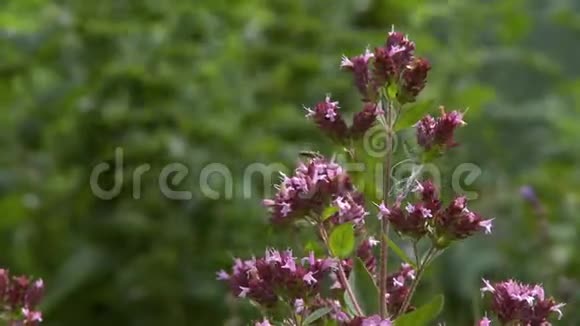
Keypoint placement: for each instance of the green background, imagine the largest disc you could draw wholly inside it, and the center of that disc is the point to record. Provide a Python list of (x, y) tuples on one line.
[(202, 82)]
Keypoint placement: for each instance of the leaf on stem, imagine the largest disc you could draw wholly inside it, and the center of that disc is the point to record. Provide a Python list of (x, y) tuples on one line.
[(422, 315), (328, 212), (400, 253), (315, 315), (364, 288), (342, 240)]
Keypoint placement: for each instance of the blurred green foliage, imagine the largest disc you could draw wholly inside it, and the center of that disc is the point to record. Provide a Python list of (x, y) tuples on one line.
[(202, 82)]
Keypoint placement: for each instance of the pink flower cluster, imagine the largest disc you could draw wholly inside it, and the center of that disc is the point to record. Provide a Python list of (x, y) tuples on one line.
[(392, 64), (329, 120), (19, 296), (515, 302), (277, 275), (398, 287), (365, 253), (438, 132), (360, 67), (320, 192), (458, 222), (426, 217), (314, 185)]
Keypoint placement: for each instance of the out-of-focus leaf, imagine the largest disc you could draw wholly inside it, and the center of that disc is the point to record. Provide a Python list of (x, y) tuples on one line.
[(315, 315), (364, 288), (400, 253), (350, 306), (328, 212), (422, 315), (84, 264)]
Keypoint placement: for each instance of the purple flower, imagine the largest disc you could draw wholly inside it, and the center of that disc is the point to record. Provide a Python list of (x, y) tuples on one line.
[(278, 275), (309, 278), (413, 80), (426, 216), (374, 320), (411, 222), (19, 296), (364, 119), (265, 322), (359, 66), (398, 286), (392, 59), (315, 185), (336, 313), (528, 193), (298, 306), (429, 195), (458, 222), (438, 132), (327, 117), (34, 293), (222, 275), (350, 209), (484, 322), (31, 317), (513, 301), (365, 253)]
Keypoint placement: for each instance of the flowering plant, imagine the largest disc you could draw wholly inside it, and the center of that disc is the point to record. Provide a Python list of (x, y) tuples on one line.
[(342, 282), (19, 298)]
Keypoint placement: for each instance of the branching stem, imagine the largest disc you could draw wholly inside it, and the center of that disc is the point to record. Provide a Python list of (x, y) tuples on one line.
[(341, 274), (421, 267)]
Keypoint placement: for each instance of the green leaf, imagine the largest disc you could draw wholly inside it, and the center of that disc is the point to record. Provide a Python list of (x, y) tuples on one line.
[(317, 314), (349, 305), (412, 113), (424, 314), (328, 212), (400, 253), (312, 245), (364, 288), (342, 240)]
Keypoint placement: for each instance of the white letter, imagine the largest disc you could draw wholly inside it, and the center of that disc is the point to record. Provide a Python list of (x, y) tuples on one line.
[(103, 167)]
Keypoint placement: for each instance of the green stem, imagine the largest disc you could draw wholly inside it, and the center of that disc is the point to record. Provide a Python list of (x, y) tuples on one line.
[(384, 253), (416, 253), (420, 271), (342, 275)]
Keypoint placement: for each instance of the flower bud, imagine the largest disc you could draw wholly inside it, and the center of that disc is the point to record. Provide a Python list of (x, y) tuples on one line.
[(17, 291), (413, 80), (484, 322), (411, 222), (458, 222), (437, 133), (392, 59), (34, 294), (359, 66), (4, 283), (364, 119), (365, 253), (327, 117), (374, 320)]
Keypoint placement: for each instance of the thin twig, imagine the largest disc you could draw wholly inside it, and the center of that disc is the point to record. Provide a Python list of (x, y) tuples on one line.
[(342, 274), (416, 253), (384, 253), (420, 271)]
